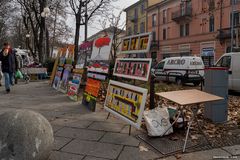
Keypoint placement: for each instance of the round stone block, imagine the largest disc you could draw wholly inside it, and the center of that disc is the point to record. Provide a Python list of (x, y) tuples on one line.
[(25, 135)]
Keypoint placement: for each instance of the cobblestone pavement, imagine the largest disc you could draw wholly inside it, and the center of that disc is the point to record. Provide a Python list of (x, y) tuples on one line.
[(84, 135)]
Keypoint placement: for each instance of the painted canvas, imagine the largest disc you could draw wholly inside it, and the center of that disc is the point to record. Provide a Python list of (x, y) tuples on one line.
[(57, 78), (133, 68), (126, 101), (73, 87), (139, 43), (65, 78)]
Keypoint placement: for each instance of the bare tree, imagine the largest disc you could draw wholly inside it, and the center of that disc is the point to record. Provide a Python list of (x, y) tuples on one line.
[(117, 29), (84, 11), (36, 24)]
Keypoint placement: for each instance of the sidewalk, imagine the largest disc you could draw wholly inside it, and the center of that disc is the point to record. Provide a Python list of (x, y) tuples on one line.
[(84, 135)]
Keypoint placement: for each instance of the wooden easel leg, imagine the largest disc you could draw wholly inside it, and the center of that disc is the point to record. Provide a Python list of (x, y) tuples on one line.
[(130, 127), (108, 115)]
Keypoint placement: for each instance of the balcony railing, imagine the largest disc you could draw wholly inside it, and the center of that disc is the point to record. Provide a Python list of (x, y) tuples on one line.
[(182, 15), (225, 33)]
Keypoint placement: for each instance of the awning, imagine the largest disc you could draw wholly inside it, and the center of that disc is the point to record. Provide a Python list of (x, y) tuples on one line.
[(207, 52)]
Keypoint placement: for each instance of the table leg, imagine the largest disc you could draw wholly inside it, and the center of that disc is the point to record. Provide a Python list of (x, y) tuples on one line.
[(199, 128), (186, 138), (172, 124)]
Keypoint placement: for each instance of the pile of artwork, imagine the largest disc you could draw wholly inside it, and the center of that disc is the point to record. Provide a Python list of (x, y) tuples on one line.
[(125, 100), (98, 70)]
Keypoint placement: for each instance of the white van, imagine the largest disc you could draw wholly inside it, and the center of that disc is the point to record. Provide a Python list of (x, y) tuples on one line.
[(232, 62), (180, 70)]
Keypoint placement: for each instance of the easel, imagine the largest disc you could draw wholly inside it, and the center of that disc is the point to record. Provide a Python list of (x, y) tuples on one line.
[(130, 127)]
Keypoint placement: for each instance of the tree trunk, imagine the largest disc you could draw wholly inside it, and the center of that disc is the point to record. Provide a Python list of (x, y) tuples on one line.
[(47, 44), (77, 34), (54, 30)]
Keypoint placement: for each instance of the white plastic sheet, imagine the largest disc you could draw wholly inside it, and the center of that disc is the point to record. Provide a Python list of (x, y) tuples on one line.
[(157, 121)]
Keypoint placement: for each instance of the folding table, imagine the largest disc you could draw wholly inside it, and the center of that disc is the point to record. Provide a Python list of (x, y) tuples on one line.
[(189, 98)]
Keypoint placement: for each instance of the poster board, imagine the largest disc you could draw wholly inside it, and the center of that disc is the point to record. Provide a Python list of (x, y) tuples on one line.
[(126, 101), (65, 78), (73, 87), (55, 66), (85, 52), (140, 43), (97, 76), (91, 93), (57, 78), (133, 68), (99, 61), (98, 66)]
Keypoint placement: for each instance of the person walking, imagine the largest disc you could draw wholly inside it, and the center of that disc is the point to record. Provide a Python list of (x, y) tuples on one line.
[(1, 74), (9, 67)]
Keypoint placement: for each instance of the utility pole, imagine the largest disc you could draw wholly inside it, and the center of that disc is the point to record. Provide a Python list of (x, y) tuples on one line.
[(232, 23)]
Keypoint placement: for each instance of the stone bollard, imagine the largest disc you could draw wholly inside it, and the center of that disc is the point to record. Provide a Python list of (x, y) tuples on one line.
[(25, 135)]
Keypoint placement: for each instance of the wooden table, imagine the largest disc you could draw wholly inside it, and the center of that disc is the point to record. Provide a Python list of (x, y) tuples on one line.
[(189, 98)]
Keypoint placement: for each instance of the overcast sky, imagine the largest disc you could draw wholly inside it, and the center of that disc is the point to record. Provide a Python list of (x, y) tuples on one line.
[(94, 28)]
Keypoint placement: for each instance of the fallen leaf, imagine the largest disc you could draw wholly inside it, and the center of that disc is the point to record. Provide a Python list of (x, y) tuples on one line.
[(143, 149)]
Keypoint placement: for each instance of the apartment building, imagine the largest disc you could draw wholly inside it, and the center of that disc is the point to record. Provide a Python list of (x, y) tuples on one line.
[(136, 20), (193, 27)]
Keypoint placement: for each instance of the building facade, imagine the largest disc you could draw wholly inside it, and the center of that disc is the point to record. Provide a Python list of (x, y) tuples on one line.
[(136, 21), (193, 27)]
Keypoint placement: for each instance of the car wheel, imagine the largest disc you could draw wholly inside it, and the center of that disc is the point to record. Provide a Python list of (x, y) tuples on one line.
[(196, 83), (178, 81)]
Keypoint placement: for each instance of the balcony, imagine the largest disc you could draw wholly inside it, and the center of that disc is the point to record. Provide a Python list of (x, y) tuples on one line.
[(225, 33), (182, 15)]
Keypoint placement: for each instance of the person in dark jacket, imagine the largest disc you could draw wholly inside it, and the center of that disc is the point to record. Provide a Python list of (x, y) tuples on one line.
[(9, 67)]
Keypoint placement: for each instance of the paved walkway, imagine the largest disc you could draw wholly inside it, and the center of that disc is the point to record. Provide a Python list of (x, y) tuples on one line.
[(84, 135)]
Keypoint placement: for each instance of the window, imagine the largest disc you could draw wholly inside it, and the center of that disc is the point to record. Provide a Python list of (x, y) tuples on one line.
[(154, 20), (136, 13), (182, 7), (129, 31), (154, 35), (143, 8), (164, 34), (160, 65), (211, 24), (184, 30), (224, 62), (236, 20), (234, 1), (211, 4), (164, 16), (142, 27), (135, 28)]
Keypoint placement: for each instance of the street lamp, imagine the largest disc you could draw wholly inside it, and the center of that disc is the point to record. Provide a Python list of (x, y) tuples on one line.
[(27, 40), (46, 13)]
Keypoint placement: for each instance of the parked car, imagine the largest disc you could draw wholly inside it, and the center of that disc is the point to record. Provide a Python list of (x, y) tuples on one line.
[(232, 62), (180, 70)]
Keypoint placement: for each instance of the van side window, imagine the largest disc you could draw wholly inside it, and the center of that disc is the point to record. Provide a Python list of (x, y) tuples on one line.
[(224, 62), (160, 65)]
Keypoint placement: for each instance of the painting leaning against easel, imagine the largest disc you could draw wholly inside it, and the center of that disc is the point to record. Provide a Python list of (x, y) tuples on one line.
[(126, 101)]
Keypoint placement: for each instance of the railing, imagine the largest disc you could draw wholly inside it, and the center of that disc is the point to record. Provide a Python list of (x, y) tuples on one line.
[(177, 15), (225, 33)]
